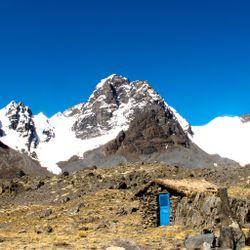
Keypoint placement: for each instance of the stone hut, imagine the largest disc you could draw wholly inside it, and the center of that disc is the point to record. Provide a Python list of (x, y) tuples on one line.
[(194, 203)]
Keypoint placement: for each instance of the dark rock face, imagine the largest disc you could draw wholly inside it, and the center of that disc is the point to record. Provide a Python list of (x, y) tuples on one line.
[(150, 132), (49, 134), (1, 131), (20, 118), (101, 107)]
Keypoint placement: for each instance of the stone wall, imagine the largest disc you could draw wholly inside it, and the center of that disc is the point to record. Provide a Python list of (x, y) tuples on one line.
[(149, 207), (199, 210)]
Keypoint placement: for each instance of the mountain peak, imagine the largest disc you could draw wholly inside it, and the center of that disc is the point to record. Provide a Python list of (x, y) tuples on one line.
[(115, 103), (16, 107), (42, 116), (111, 79), (11, 105)]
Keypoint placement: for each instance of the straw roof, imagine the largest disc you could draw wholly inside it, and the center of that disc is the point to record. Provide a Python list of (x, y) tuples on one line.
[(182, 187)]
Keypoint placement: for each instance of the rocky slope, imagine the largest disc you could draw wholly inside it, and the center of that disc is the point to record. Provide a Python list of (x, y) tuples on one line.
[(154, 135), (13, 163), (96, 208)]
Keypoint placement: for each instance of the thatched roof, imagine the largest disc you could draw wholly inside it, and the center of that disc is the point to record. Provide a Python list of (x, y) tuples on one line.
[(182, 187)]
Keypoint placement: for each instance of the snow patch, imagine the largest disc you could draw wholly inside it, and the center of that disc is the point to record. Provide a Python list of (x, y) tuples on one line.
[(227, 136)]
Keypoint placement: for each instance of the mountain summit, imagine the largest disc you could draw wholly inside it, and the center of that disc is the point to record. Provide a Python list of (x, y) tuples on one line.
[(124, 121), (114, 103)]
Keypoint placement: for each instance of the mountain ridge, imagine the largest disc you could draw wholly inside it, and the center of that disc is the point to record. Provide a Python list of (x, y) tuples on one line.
[(110, 109)]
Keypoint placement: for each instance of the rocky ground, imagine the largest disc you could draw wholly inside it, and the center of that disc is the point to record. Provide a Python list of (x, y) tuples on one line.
[(95, 208)]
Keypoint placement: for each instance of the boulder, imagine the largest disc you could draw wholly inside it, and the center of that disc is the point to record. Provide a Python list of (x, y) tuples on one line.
[(226, 239), (74, 210), (203, 241), (45, 213)]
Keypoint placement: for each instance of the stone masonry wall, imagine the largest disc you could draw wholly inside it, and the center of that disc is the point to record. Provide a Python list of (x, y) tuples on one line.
[(200, 210)]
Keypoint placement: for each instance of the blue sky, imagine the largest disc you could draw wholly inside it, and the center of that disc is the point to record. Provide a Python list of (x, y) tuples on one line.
[(196, 54)]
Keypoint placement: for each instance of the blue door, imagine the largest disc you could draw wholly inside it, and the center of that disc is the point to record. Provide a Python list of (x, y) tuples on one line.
[(164, 205)]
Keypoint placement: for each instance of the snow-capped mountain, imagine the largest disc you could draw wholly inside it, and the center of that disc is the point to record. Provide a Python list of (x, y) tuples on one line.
[(18, 128), (227, 136), (114, 104)]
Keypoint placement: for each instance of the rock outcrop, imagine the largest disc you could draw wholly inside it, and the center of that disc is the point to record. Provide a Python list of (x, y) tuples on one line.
[(12, 162)]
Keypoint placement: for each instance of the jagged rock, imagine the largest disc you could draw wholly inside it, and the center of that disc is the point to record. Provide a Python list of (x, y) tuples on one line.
[(20, 117), (114, 97), (230, 223)]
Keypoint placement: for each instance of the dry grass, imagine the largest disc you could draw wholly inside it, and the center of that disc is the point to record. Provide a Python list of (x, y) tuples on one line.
[(239, 192), (183, 186), (189, 185), (19, 225)]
